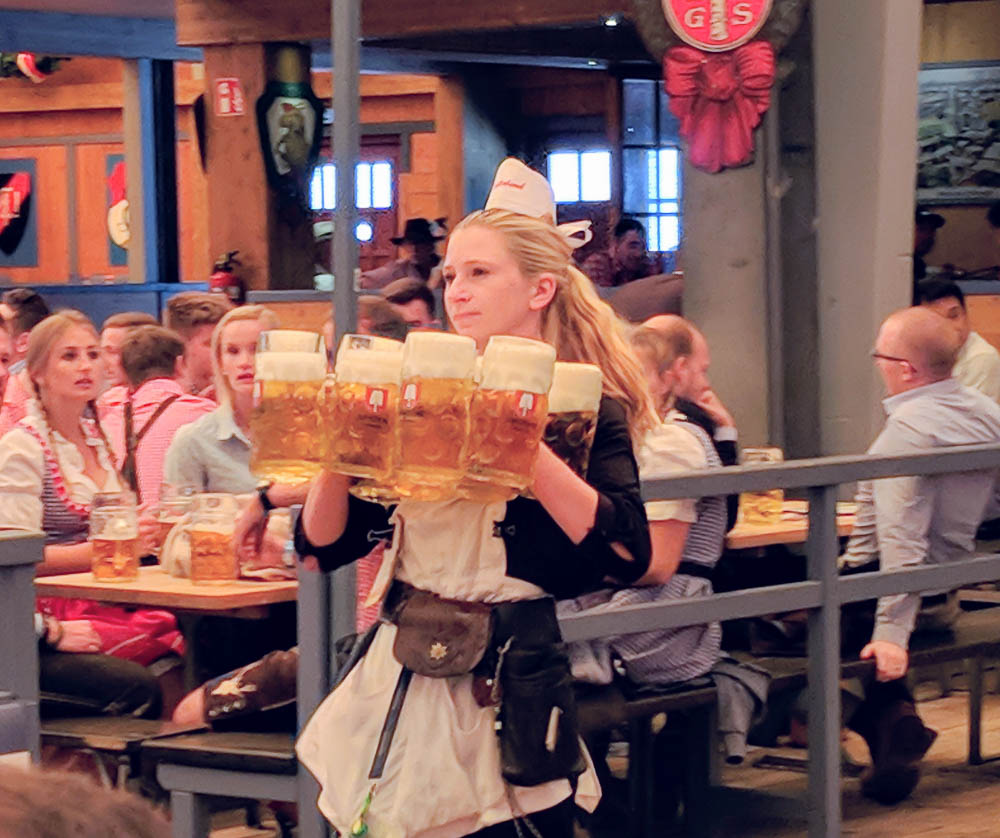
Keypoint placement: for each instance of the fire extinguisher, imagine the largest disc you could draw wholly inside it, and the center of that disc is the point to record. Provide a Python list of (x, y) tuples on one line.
[(224, 279)]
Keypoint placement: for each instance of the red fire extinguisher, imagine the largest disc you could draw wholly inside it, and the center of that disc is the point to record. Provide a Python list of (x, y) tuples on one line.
[(224, 279)]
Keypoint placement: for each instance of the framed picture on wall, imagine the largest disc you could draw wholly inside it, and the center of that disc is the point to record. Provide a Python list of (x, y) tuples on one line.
[(18, 214), (958, 134)]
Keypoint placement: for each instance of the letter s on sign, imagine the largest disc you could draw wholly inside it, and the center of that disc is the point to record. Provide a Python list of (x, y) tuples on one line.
[(742, 14), (695, 18)]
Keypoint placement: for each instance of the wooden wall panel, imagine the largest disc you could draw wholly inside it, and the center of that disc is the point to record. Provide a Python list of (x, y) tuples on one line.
[(50, 202), (449, 119), (91, 210), (192, 204), (984, 316)]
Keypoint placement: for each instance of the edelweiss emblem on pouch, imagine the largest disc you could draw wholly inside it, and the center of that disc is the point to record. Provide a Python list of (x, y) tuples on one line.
[(437, 651)]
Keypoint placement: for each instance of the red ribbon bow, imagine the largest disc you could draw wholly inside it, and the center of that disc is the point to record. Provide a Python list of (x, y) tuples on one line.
[(719, 99)]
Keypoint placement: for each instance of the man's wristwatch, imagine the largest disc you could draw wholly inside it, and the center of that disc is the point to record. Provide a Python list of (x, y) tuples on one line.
[(265, 501)]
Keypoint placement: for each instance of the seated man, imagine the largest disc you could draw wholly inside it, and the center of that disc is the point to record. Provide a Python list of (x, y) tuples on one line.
[(978, 363), (910, 521), (21, 309), (418, 257), (193, 315), (626, 258), (414, 301), (113, 333), (155, 408), (693, 396)]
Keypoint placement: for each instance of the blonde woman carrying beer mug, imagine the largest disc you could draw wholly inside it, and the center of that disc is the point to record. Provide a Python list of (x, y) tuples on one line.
[(414, 750)]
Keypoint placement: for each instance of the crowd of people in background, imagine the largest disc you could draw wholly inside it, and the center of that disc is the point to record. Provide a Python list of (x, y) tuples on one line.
[(139, 405)]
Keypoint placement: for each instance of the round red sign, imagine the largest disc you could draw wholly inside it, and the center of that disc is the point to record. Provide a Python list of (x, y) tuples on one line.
[(716, 25)]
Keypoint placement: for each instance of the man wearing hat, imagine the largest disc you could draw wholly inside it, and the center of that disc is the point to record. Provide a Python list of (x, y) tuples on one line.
[(925, 227), (417, 252)]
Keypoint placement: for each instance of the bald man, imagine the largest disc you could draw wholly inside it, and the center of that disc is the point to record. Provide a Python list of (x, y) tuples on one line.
[(905, 522), (687, 379)]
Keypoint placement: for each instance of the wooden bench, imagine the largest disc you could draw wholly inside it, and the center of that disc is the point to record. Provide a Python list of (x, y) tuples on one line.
[(976, 638), (113, 741), (199, 769)]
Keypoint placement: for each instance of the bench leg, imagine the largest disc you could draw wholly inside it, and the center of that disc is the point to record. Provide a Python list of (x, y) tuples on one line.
[(640, 777), (699, 742), (190, 815), (974, 668)]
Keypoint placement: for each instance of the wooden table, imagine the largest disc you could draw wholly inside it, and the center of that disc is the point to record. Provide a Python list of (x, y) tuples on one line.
[(792, 529), (157, 589)]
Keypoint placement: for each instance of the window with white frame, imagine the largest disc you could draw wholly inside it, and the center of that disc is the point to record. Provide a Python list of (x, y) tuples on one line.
[(373, 186), (651, 164), (579, 176)]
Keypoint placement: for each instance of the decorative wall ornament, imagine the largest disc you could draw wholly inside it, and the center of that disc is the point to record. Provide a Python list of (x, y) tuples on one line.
[(119, 231), (18, 213), (290, 123), (719, 59), (27, 65)]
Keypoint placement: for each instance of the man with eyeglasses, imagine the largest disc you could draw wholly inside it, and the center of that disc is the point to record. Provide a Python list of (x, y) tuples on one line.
[(910, 521)]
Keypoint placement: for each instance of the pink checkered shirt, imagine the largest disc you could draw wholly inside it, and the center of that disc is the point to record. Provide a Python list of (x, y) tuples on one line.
[(153, 446), (15, 400)]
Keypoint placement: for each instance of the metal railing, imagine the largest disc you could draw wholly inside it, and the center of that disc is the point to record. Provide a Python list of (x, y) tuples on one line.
[(821, 594)]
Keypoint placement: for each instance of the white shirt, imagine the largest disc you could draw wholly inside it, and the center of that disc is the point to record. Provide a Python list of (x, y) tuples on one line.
[(22, 470), (669, 449), (978, 366)]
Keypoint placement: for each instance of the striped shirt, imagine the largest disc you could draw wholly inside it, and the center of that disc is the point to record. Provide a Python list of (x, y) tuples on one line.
[(664, 656), (152, 448)]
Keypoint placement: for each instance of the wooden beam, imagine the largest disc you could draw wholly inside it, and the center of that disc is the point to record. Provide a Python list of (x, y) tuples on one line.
[(71, 34), (210, 22)]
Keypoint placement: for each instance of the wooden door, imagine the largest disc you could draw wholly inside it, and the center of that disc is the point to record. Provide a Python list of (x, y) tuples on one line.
[(383, 220)]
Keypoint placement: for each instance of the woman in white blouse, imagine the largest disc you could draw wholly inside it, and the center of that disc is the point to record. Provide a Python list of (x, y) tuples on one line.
[(52, 464)]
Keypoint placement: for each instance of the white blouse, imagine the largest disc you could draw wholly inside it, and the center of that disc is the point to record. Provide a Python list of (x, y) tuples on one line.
[(669, 449), (22, 471)]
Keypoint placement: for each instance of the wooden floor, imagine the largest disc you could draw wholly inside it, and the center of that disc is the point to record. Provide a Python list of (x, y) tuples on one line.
[(953, 800)]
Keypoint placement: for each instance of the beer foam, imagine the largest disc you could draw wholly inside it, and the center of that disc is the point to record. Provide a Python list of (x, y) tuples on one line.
[(289, 366), (288, 340), (438, 355), (369, 360), (575, 387), (511, 363)]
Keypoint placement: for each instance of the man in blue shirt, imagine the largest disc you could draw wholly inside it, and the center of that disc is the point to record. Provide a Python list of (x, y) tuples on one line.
[(911, 521)]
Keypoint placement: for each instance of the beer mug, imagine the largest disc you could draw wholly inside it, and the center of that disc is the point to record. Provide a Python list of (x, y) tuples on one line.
[(360, 419), (290, 368), (114, 537), (761, 507), (433, 427), (509, 412), (574, 401), (175, 502), (213, 556)]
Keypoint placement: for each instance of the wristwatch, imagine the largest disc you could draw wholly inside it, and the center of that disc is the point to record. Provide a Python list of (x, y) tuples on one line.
[(265, 501)]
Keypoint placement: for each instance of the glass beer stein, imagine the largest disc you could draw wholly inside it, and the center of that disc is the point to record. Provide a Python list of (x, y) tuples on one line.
[(114, 537), (290, 368), (509, 412), (432, 433), (213, 556), (360, 418), (574, 401), (761, 507), (175, 501)]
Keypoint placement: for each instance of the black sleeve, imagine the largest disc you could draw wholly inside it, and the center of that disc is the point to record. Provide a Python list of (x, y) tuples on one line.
[(539, 551), (728, 450), (367, 525)]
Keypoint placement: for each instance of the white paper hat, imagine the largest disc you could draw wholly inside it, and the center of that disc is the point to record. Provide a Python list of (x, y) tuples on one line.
[(518, 188)]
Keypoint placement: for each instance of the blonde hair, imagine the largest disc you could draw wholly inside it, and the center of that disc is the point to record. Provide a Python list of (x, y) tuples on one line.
[(41, 342), (578, 323), (267, 318)]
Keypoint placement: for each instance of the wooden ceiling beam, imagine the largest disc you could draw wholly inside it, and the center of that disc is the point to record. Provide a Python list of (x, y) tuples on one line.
[(215, 22)]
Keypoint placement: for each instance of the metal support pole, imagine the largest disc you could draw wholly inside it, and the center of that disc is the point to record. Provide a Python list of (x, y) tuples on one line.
[(824, 667), (19, 553), (346, 43), (774, 294), (313, 681)]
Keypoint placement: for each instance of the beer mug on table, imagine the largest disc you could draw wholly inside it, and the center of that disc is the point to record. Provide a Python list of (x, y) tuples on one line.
[(509, 412), (114, 537), (435, 395), (175, 503), (290, 368), (213, 555), (360, 418), (761, 507), (574, 402)]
